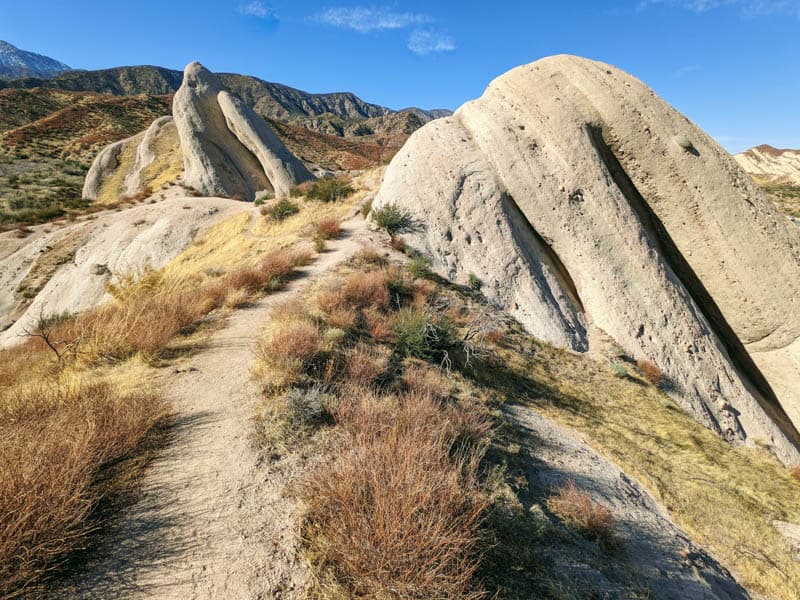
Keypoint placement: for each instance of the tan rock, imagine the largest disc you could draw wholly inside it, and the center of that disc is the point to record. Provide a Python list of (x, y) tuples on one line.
[(216, 161), (649, 231)]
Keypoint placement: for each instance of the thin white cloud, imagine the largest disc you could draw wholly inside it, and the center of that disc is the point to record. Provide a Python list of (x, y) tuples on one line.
[(748, 8), (684, 71), (258, 9), (363, 19), (426, 41)]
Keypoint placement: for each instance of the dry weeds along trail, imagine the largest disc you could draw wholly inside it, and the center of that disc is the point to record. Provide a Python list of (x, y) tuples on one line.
[(211, 522)]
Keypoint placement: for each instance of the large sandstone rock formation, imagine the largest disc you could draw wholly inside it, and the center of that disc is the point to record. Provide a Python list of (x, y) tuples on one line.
[(583, 201), (219, 144), (228, 149)]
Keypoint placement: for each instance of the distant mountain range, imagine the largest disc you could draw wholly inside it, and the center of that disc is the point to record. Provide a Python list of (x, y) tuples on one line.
[(15, 63), (338, 113)]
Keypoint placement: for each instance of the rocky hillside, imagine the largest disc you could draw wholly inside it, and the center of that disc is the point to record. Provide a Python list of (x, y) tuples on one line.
[(334, 113), (771, 165), (15, 63), (777, 172), (71, 125)]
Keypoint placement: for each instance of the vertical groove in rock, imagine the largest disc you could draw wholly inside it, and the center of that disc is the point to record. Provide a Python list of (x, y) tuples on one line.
[(659, 236)]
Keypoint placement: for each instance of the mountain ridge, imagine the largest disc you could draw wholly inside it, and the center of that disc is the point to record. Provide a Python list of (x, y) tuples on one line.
[(270, 99), (15, 63)]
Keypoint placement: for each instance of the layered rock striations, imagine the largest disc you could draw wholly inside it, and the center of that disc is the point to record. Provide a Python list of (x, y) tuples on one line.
[(583, 201)]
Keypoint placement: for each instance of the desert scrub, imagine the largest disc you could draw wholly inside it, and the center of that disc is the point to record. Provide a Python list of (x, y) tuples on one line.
[(57, 439), (288, 354), (474, 282), (651, 372), (420, 266), (397, 510), (422, 334), (280, 210), (330, 189), (577, 509), (292, 417), (394, 219)]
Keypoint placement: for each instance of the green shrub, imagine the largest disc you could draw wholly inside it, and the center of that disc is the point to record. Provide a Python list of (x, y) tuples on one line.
[(394, 219), (420, 266), (262, 199), (474, 282), (281, 209), (619, 370), (330, 189), (366, 208), (419, 334)]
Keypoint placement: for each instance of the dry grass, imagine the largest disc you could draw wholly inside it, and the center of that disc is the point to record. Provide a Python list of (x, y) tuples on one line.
[(577, 509), (287, 353), (365, 363), (397, 511), (396, 506), (55, 440), (359, 291), (329, 228), (651, 372), (724, 497)]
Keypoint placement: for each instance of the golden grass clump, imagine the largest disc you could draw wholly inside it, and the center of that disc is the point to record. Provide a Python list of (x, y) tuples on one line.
[(577, 509), (288, 352), (55, 440), (365, 363), (397, 511)]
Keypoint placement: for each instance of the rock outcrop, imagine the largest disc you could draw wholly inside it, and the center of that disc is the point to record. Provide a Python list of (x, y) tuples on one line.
[(145, 161), (771, 165), (83, 257), (220, 145), (228, 150), (581, 200)]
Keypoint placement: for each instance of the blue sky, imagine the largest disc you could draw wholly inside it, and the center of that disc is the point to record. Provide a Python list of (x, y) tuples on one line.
[(733, 66)]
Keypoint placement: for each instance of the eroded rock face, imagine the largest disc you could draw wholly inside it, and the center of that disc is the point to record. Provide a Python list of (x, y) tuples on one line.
[(583, 200), (104, 164), (228, 150), (145, 161)]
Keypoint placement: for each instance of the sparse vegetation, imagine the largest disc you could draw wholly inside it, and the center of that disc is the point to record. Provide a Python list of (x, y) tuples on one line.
[(420, 266), (651, 372), (394, 219), (576, 508), (785, 196), (281, 209), (329, 189), (474, 282)]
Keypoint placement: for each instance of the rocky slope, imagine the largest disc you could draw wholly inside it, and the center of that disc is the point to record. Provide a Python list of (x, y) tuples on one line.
[(581, 200), (771, 165), (16, 63)]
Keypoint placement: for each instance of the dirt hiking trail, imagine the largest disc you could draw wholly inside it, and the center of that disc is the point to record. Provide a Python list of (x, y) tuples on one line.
[(211, 519)]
